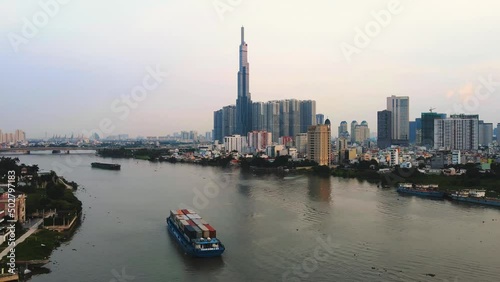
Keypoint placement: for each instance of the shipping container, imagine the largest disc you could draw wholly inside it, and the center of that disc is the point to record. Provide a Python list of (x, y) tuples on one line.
[(204, 230), (191, 211), (203, 221), (191, 222), (179, 212), (181, 217), (190, 231), (198, 231), (212, 231), (193, 216)]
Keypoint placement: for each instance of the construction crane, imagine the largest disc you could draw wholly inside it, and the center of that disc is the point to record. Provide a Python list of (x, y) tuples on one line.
[(431, 109)]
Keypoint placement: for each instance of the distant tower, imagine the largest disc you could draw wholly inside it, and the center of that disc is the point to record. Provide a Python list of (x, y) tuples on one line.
[(353, 130), (244, 101), (319, 145), (400, 108)]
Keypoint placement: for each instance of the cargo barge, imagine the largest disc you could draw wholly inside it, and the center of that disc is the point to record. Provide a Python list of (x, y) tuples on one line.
[(476, 197), (106, 166), (194, 235), (421, 190)]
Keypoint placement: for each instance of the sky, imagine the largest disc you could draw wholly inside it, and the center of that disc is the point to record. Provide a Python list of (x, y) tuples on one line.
[(65, 65)]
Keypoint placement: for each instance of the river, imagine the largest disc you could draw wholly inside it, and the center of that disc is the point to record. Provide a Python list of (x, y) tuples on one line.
[(297, 228)]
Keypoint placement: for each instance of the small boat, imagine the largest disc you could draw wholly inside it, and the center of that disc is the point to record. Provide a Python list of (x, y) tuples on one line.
[(194, 235), (106, 166)]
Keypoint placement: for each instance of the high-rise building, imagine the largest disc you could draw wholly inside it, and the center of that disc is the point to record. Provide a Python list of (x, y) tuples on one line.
[(418, 131), (294, 107), (320, 118), (319, 144), (284, 118), (208, 136), (273, 119), (400, 108), (428, 127), (244, 101), (20, 136), (217, 132), (341, 148), (353, 130), (459, 132), (343, 132), (228, 120), (235, 143), (193, 135), (258, 116), (485, 133), (384, 129), (361, 132), (498, 133), (308, 115), (259, 140), (413, 132), (301, 143)]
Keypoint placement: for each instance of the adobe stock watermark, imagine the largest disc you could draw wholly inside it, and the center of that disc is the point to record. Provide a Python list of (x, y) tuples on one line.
[(210, 190), (40, 19), (482, 91), (363, 38), (224, 6), (321, 253), (121, 276), (121, 107)]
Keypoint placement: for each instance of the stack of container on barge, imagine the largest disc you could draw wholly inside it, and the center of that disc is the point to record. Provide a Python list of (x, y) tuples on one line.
[(193, 234)]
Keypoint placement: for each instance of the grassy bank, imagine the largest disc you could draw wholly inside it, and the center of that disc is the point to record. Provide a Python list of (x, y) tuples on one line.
[(38, 246)]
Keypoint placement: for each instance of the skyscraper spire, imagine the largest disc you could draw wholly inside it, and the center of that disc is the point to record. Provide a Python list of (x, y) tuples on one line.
[(244, 101)]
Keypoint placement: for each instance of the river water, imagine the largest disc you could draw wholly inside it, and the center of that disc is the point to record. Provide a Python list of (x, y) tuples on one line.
[(297, 228)]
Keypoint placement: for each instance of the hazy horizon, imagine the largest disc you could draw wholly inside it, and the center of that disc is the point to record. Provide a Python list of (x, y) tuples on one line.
[(67, 75)]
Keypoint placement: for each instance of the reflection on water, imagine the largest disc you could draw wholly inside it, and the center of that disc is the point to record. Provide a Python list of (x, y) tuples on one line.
[(319, 188)]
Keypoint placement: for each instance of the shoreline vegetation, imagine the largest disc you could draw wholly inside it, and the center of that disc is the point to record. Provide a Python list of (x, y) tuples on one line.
[(474, 178), (45, 192)]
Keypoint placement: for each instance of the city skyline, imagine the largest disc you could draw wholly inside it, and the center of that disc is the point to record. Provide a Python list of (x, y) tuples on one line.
[(81, 77)]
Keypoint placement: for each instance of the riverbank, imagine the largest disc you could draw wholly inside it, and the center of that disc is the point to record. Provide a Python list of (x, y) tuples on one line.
[(367, 171), (50, 203)]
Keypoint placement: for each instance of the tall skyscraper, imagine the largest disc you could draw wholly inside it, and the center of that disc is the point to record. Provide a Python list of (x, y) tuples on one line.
[(361, 132), (228, 120), (459, 132), (343, 132), (217, 132), (294, 107), (308, 115), (498, 133), (319, 145), (273, 119), (418, 133), (485, 133), (428, 127), (244, 101), (353, 130), (320, 118), (400, 108), (258, 116), (384, 129), (284, 118)]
